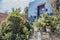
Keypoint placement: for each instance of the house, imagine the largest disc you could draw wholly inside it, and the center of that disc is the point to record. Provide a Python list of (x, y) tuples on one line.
[(3, 16), (55, 5), (37, 6)]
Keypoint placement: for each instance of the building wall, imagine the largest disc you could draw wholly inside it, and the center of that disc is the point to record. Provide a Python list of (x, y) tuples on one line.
[(33, 6), (32, 9), (53, 4)]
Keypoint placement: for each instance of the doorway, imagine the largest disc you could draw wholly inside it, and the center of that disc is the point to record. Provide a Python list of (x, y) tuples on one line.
[(40, 8)]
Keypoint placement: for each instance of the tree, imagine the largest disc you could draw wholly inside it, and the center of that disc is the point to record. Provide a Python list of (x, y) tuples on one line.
[(26, 11), (47, 21), (13, 27)]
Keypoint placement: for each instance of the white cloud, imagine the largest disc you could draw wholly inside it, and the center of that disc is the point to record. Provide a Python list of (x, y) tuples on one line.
[(9, 4), (15, 0)]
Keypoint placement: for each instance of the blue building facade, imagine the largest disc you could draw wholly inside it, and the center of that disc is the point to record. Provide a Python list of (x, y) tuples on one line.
[(37, 6)]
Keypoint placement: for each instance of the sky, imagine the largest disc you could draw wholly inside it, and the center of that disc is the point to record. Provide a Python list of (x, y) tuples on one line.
[(7, 5)]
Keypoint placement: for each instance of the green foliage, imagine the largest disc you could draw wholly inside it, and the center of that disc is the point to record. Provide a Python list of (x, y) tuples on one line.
[(14, 27), (1, 36), (26, 9), (41, 21), (47, 21), (25, 30)]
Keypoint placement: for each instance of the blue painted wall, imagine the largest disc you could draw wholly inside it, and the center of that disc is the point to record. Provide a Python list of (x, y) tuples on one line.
[(33, 7)]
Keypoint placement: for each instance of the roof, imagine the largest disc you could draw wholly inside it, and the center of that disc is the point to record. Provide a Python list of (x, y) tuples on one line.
[(3, 16)]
